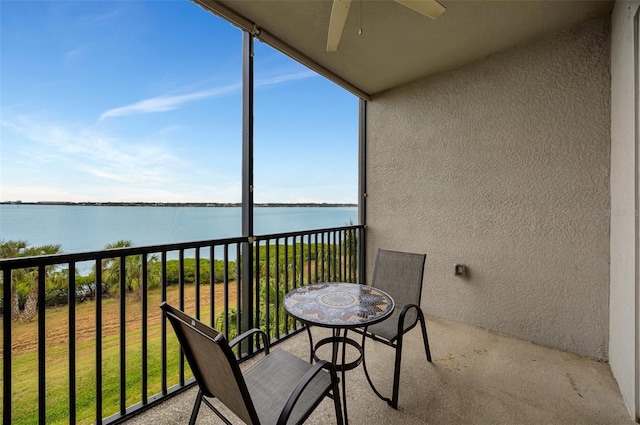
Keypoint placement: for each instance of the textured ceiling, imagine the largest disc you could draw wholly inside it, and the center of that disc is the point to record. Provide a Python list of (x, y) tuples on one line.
[(399, 45)]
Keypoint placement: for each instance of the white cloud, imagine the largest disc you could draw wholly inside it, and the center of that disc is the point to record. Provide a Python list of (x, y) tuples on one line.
[(87, 153), (93, 145), (72, 54), (279, 79), (169, 103)]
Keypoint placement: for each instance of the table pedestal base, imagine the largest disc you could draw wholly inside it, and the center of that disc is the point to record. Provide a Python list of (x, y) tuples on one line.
[(336, 341), (342, 366)]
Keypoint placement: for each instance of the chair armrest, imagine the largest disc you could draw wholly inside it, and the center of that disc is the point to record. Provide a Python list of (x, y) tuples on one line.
[(247, 334), (302, 384), (403, 313)]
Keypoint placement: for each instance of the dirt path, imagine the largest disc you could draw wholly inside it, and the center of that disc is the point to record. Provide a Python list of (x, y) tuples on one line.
[(24, 335)]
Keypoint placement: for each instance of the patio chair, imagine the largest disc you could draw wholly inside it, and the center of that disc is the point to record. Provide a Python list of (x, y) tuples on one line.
[(279, 389), (400, 275)]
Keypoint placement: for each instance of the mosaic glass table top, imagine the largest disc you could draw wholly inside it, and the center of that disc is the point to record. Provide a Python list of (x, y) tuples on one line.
[(347, 305)]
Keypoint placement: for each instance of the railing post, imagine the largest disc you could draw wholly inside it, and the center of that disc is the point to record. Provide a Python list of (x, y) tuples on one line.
[(362, 189), (246, 310)]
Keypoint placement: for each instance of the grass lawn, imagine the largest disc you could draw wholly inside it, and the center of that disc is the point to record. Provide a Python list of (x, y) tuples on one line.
[(24, 355)]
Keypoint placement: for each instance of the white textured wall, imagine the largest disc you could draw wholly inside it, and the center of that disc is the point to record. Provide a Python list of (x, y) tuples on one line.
[(623, 291), (504, 165)]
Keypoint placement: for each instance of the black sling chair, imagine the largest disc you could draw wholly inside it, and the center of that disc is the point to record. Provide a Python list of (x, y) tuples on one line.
[(400, 275), (279, 389)]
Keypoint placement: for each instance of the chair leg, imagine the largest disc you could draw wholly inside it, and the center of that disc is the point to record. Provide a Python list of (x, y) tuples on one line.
[(196, 408), (425, 339), (336, 401), (366, 372), (396, 373)]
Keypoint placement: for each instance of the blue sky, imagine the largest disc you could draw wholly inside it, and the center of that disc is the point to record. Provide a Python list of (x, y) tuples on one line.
[(141, 101)]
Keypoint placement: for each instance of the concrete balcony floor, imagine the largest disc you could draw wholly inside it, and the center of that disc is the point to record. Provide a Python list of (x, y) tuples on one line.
[(477, 377)]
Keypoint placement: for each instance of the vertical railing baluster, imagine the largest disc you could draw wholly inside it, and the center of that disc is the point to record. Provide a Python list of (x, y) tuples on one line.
[(294, 268), (338, 247), (350, 241), (145, 325), (328, 248), (181, 307), (324, 255), (212, 285), (356, 262), (341, 247), (6, 347), (197, 283), (309, 259), (181, 279), (42, 341), (277, 283), (123, 335), (339, 254), (239, 285), (256, 286), (354, 255), (345, 249), (98, 297), (347, 255), (336, 244), (163, 327), (71, 302), (226, 291), (343, 258), (301, 260), (362, 255), (267, 301), (286, 266), (286, 277), (334, 257), (317, 256)]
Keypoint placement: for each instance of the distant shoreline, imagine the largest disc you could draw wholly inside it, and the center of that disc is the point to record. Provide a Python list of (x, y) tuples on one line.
[(177, 204)]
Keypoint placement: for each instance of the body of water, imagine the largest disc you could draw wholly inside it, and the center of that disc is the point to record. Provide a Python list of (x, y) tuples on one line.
[(80, 228)]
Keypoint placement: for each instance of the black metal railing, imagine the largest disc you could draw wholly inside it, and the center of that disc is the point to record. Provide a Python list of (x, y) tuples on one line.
[(100, 356)]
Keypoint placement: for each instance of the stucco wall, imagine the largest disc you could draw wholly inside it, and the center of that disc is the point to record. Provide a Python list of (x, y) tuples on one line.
[(503, 165), (624, 190)]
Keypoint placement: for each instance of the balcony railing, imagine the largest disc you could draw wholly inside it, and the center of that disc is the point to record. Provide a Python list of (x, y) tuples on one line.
[(107, 353)]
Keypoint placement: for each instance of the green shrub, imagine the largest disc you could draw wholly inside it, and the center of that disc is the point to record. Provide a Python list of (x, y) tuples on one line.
[(173, 271)]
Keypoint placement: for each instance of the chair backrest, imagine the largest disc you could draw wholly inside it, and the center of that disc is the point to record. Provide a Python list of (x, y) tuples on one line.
[(213, 363), (400, 275)]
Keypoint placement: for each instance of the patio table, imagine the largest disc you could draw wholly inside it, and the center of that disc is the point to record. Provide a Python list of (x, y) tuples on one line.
[(340, 306)]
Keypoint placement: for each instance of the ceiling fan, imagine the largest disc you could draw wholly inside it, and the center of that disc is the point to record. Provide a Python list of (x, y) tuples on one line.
[(340, 10)]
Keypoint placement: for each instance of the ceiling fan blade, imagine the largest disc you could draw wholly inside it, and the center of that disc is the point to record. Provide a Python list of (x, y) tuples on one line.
[(339, 12), (430, 8)]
